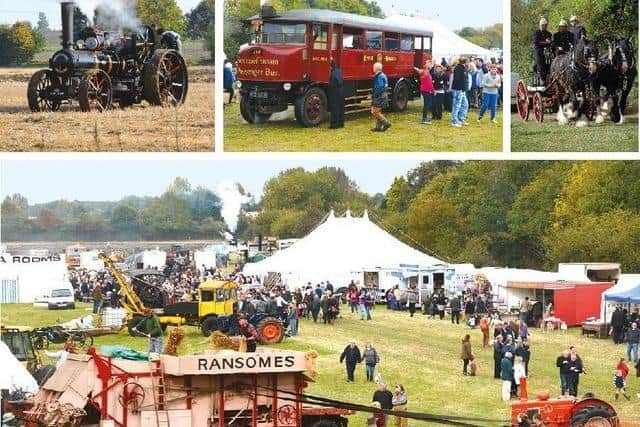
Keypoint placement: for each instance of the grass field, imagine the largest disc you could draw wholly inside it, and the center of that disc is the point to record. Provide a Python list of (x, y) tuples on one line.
[(139, 128), (406, 134), (549, 136), (421, 354)]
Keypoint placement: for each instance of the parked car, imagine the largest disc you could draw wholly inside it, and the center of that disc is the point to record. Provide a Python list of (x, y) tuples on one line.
[(61, 298)]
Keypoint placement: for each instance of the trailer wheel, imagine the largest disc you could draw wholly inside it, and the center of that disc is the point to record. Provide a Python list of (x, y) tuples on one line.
[(248, 113), (522, 100), (132, 323), (209, 326), (538, 107), (311, 107), (42, 374), (400, 97), (95, 92), (165, 79), (270, 330), (592, 416), (38, 92)]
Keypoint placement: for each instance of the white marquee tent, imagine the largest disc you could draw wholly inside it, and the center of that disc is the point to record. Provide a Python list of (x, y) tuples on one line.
[(446, 43), (341, 249)]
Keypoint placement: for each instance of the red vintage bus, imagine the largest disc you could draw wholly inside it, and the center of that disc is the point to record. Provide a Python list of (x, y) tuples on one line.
[(288, 62)]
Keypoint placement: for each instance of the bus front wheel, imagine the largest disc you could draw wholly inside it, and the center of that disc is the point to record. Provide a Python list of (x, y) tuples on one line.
[(249, 114), (311, 107)]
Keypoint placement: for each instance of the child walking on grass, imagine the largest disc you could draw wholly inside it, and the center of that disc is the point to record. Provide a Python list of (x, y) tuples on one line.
[(619, 383)]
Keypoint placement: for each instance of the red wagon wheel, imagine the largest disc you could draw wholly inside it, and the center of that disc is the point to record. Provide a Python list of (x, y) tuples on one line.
[(522, 99), (132, 396), (538, 107), (94, 91), (287, 415)]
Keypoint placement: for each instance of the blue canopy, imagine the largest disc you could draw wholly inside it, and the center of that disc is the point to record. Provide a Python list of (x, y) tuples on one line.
[(624, 294)]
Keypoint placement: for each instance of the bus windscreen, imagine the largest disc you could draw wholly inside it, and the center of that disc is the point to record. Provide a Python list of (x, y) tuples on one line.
[(276, 33)]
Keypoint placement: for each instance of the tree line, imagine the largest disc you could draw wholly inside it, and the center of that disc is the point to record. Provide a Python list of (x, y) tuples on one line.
[(528, 214), (603, 20), (181, 213), (20, 42)]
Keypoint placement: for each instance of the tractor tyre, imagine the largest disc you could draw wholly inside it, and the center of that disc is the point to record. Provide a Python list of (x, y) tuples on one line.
[(132, 323), (592, 416), (42, 374), (270, 331), (311, 107), (209, 326), (248, 113), (400, 97)]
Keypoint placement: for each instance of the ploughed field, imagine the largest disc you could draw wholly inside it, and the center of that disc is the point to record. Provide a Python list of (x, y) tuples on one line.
[(141, 127), (283, 133), (550, 136), (422, 354)]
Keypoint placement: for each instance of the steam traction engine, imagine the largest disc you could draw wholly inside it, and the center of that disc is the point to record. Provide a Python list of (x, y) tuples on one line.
[(100, 70)]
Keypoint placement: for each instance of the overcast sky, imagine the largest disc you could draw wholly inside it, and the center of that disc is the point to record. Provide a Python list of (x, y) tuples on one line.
[(94, 180), (451, 13)]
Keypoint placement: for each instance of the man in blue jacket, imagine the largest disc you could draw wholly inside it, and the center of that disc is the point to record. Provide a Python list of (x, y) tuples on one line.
[(380, 98), (228, 79)]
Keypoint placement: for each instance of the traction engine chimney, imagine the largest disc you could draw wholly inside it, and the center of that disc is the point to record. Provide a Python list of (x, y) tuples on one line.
[(67, 23)]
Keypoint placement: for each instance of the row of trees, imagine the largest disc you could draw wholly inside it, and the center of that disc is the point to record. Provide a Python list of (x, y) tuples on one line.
[(19, 43), (181, 212), (603, 19), (503, 213), (521, 214)]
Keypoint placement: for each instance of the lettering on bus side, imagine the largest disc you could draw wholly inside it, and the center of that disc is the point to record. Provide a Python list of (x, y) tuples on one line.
[(368, 58), (249, 362), (258, 61), (319, 59)]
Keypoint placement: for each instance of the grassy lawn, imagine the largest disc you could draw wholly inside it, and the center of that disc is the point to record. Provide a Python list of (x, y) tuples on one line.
[(407, 134), (549, 136), (421, 354)]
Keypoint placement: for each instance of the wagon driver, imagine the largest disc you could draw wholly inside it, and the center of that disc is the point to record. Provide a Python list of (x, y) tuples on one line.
[(541, 40), (563, 39)]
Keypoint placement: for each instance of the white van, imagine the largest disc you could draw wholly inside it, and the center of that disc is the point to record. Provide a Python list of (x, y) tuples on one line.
[(61, 298)]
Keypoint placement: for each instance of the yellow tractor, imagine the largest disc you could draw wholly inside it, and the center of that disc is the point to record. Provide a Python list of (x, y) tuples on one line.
[(214, 310)]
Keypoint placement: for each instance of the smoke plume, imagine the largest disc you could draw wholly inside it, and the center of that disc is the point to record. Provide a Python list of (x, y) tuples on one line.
[(111, 15), (232, 201)]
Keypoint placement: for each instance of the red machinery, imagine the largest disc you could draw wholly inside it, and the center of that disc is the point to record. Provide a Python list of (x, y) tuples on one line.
[(218, 388), (564, 412), (288, 62)]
